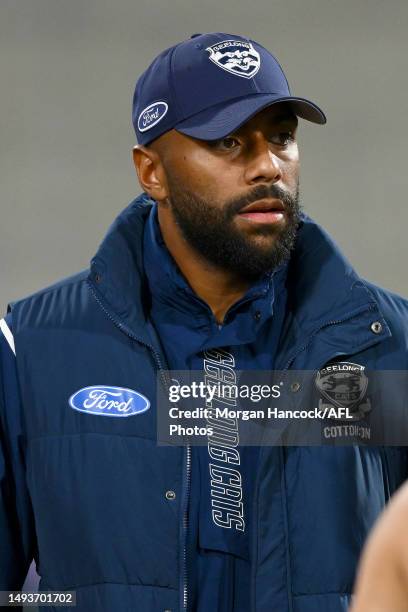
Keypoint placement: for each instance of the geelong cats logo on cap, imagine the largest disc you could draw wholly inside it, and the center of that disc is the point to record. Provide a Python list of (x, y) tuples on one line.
[(109, 401), (236, 56)]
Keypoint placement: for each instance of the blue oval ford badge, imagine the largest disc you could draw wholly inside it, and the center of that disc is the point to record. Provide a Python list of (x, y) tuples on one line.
[(109, 401), (151, 115)]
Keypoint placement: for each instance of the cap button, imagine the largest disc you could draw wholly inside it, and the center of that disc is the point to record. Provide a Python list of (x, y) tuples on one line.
[(194, 35)]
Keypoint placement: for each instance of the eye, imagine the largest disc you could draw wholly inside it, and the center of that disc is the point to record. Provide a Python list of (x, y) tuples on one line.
[(225, 144), (283, 138)]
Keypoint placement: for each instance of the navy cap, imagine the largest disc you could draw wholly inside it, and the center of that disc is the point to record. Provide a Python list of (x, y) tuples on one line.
[(208, 86)]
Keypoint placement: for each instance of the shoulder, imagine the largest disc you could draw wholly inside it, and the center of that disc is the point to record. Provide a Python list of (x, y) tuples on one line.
[(7, 347), (393, 303), (56, 287), (45, 304), (393, 306), (7, 355), (9, 388), (53, 301)]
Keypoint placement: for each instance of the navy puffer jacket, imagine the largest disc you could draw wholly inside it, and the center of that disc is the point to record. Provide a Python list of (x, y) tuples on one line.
[(87, 497)]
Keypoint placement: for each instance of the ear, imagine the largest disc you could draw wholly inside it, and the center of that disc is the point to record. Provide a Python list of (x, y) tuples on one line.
[(150, 172)]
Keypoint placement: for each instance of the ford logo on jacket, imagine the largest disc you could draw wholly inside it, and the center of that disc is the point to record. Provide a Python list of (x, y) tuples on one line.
[(109, 401), (102, 508)]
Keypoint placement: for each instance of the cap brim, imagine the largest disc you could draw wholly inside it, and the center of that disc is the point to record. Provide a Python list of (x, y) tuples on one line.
[(223, 119)]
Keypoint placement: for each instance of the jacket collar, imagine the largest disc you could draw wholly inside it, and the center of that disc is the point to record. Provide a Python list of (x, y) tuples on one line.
[(324, 290), (323, 287)]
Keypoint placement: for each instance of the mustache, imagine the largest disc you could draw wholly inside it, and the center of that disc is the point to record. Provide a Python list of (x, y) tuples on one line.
[(261, 192)]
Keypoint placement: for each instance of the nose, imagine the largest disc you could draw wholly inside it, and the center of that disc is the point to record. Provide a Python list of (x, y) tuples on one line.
[(263, 165)]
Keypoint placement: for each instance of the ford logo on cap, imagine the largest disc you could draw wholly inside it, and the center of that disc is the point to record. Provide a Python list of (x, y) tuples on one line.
[(109, 401), (151, 115)]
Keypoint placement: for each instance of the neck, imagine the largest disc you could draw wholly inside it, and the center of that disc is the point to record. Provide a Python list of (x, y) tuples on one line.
[(218, 288)]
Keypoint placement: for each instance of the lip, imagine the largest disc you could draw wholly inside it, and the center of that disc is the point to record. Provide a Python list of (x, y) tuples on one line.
[(271, 211), (263, 206)]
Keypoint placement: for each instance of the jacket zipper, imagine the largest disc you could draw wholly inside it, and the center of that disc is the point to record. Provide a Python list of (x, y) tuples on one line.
[(127, 331), (185, 527), (166, 384)]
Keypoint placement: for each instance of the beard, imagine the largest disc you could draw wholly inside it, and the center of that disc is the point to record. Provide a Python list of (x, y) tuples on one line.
[(209, 229)]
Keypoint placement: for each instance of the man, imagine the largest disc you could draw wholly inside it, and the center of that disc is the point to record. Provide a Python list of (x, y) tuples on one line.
[(382, 584), (212, 268)]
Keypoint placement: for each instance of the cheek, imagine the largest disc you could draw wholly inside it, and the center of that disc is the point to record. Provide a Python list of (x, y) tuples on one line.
[(291, 156), (206, 177), (185, 173), (290, 167)]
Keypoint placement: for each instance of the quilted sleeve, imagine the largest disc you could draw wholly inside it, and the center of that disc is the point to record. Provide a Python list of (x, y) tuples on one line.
[(17, 534)]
